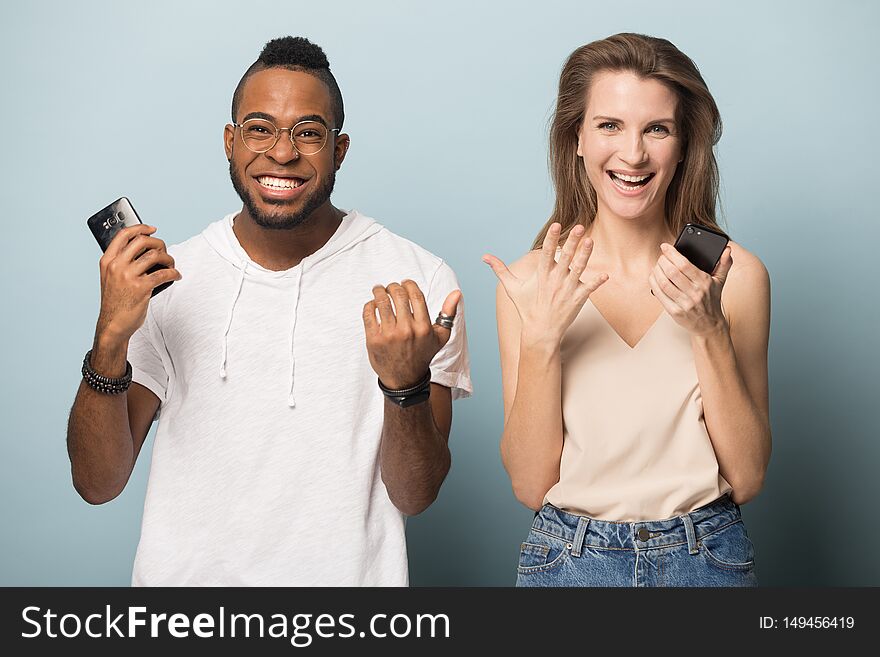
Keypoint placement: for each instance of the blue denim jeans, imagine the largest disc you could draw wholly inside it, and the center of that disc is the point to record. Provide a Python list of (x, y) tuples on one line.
[(706, 547)]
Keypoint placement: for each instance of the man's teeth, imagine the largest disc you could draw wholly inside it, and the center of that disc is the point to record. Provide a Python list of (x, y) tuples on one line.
[(279, 183)]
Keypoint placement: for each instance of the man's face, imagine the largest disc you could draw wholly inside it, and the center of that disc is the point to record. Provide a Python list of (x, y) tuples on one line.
[(306, 181)]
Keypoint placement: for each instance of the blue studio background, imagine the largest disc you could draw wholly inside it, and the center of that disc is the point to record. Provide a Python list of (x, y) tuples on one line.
[(447, 107)]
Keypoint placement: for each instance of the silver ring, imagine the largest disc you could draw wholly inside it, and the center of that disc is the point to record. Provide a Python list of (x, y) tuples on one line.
[(444, 320)]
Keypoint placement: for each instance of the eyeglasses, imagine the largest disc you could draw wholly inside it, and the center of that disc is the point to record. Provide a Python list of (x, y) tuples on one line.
[(307, 137)]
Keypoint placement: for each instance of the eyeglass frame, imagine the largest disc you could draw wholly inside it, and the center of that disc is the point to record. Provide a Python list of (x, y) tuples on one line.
[(278, 132)]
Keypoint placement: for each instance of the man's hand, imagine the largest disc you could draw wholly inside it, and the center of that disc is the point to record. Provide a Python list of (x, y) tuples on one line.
[(403, 341), (125, 283)]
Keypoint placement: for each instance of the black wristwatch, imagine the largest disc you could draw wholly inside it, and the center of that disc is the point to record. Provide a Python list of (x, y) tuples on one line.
[(409, 396)]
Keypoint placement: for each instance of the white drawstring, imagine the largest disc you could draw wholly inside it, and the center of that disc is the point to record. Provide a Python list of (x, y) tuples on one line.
[(244, 265), (291, 400)]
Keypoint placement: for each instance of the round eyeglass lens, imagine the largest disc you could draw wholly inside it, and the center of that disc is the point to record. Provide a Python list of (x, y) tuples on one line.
[(261, 135)]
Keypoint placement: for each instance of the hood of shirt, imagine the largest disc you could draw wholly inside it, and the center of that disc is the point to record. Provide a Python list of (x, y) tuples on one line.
[(353, 229)]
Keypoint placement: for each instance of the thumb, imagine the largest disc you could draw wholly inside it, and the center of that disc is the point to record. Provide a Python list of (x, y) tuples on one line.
[(504, 275), (450, 308), (725, 262)]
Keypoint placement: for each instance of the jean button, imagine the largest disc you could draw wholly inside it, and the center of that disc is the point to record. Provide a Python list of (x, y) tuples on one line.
[(643, 534)]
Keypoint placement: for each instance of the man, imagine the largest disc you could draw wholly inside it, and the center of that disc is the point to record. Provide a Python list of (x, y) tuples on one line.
[(278, 460)]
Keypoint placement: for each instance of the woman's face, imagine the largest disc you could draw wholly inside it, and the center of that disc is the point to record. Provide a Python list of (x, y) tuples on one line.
[(630, 144)]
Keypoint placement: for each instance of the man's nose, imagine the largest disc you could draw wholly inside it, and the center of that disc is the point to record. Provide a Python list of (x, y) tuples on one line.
[(283, 151)]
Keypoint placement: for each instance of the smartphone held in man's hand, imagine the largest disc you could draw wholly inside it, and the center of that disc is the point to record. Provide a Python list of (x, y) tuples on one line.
[(107, 222)]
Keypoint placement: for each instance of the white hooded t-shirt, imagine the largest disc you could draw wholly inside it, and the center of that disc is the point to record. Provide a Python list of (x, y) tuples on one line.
[(265, 467)]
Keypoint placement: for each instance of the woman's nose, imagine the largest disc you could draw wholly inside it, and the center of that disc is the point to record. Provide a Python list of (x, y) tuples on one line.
[(634, 151)]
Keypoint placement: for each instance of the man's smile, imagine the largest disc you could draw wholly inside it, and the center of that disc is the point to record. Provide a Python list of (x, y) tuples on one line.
[(280, 187)]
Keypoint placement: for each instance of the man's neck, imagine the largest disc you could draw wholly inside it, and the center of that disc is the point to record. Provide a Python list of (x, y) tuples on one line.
[(282, 249)]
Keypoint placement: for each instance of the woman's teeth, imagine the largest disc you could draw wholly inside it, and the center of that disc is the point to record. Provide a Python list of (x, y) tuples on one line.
[(629, 182), (279, 183)]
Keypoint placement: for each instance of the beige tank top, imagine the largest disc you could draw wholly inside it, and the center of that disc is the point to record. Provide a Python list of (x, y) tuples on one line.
[(635, 442)]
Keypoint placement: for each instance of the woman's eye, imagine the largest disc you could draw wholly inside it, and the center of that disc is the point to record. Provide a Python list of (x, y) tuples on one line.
[(607, 126), (659, 130)]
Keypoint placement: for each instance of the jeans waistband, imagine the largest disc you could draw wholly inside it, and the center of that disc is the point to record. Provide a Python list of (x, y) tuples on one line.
[(688, 528)]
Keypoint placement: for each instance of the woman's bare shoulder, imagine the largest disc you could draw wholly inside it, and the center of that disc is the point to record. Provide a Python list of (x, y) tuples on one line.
[(748, 281), (747, 267), (526, 265), (744, 259)]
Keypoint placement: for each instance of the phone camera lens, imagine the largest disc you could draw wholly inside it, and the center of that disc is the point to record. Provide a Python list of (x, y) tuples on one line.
[(690, 230), (112, 221)]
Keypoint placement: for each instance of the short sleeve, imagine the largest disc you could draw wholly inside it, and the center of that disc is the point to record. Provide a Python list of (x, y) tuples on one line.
[(451, 366), (144, 354)]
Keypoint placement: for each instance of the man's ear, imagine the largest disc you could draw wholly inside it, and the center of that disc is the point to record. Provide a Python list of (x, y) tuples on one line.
[(340, 149), (228, 140)]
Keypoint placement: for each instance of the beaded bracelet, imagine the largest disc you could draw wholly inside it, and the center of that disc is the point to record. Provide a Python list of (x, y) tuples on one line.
[(105, 384)]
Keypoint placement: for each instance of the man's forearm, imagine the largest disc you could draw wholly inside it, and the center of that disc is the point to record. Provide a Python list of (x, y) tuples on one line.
[(98, 433), (414, 456)]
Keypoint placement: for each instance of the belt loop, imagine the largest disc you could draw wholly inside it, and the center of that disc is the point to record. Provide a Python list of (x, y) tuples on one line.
[(691, 534), (579, 535)]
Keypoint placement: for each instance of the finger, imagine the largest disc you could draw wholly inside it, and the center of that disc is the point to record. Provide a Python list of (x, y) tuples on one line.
[(668, 287), (593, 284), (450, 307), (402, 310), (668, 304), (674, 274), (138, 245), (687, 268), (371, 325), (581, 258), (548, 248), (417, 302), (725, 262), (162, 276), (124, 236), (569, 248), (584, 289), (505, 276), (383, 305), (151, 258)]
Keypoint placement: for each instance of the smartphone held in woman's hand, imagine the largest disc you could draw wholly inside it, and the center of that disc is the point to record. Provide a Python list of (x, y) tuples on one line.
[(701, 245)]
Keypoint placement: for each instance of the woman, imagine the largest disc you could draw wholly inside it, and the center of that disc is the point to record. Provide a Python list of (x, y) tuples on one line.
[(635, 385)]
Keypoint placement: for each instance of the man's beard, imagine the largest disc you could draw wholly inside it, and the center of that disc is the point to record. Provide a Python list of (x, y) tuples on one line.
[(315, 199)]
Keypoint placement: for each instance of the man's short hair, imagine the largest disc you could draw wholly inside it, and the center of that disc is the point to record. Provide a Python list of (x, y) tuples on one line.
[(294, 54)]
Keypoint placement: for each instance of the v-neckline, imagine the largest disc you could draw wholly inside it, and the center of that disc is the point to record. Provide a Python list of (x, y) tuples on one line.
[(631, 347)]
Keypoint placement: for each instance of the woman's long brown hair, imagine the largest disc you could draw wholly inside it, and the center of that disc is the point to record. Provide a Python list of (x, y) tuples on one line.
[(693, 193)]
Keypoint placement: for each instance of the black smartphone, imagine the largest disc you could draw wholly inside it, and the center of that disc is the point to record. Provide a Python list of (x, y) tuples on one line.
[(701, 245), (105, 223)]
